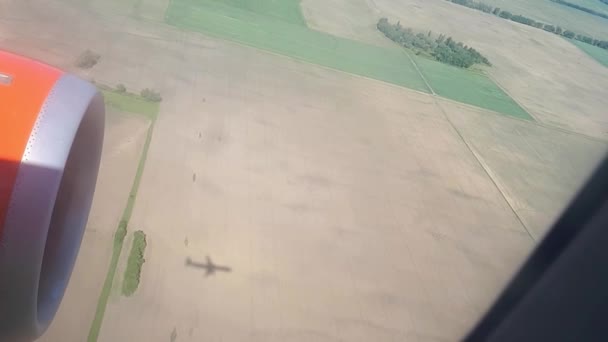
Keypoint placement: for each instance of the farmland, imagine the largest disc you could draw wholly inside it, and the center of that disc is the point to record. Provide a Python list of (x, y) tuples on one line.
[(556, 14), (347, 191), (599, 54), (469, 87), (386, 64)]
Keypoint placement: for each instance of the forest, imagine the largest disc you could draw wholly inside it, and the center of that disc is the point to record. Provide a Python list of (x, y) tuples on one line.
[(443, 49), (531, 22)]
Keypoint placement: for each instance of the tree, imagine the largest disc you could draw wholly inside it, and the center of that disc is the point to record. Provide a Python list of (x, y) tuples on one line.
[(569, 34), (445, 50), (87, 59), (505, 14), (151, 95), (558, 30), (549, 28), (120, 88), (496, 11), (440, 39)]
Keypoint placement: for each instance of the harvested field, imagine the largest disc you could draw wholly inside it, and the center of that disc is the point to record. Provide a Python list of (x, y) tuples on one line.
[(599, 54), (538, 169)]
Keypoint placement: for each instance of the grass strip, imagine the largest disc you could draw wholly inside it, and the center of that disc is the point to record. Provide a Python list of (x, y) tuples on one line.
[(121, 231)]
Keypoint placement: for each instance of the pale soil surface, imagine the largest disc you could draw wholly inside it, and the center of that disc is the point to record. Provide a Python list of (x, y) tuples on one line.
[(551, 78), (347, 209), (537, 168), (124, 137)]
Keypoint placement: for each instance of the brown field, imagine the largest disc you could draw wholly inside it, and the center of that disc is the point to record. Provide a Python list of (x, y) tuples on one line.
[(347, 209), (310, 217)]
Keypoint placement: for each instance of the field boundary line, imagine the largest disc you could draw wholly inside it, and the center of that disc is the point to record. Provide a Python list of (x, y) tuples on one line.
[(485, 169), (240, 43), (472, 151), (534, 121), (419, 72), (493, 79), (542, 124)]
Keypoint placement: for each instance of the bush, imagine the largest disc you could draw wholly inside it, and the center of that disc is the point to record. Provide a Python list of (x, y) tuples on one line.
[(151, 95), (549, 28), (505, 14), (134, 264), (87, 59), (120, 88)]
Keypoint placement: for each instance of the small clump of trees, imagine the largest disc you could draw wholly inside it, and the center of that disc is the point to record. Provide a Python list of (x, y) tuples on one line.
[(531, 22), (442, 48), (151, 95), (146, 94), (135, 262), (87, 59), (121, 89)]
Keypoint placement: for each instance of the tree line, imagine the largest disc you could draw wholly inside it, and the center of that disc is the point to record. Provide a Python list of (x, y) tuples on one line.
[(581, 8), (442, 48), (531, 22)]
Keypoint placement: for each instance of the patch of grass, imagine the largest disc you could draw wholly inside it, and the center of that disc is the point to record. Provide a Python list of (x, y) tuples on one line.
[(129, 102), (469, 87), (105, 291), (287, 10), (122, 228), (134, 264), (270, 34), (594, 52)]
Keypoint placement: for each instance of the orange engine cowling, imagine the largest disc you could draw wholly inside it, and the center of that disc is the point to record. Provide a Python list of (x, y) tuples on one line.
[(51, 134)]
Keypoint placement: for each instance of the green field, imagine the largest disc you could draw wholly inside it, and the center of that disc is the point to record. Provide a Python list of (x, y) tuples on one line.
[(287, 10), (594, 52), (232, 20), (469, 87)]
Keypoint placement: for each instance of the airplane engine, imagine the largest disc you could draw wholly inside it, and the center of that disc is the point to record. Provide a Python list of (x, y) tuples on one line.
[(51, 134)]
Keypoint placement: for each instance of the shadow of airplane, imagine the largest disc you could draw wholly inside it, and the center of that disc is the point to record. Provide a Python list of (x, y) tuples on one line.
[(209, 267)]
